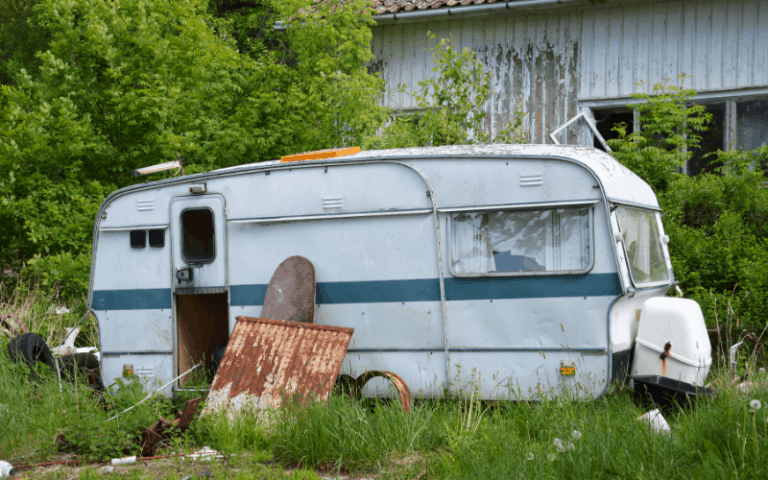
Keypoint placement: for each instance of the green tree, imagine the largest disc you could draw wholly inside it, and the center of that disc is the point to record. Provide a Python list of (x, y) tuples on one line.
[(669, 133), (121, 85), (452, 106)]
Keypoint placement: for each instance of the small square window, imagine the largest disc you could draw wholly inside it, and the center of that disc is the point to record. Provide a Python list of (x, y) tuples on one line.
[(157, 238), (198, 239), (138, 238)]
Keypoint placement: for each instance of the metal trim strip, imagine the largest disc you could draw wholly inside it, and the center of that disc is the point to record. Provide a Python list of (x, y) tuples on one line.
[(633, 204), (326, 216), (135, 227), (520, 206)]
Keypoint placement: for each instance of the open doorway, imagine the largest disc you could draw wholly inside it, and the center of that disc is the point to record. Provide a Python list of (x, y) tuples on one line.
[(202, 324)]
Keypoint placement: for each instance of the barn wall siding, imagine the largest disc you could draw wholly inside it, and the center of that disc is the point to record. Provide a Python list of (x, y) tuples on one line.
[(718, 44), (533, 59), (550, 60)]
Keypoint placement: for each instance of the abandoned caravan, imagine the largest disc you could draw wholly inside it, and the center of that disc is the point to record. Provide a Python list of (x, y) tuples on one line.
[(520, 271)]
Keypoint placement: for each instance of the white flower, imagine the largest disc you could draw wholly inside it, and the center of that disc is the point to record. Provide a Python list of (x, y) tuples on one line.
[(570, 446), (576, 434), (755, 405), (559, 444), (530, 456)]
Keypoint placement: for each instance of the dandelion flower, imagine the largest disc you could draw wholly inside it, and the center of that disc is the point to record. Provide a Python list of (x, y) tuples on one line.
[(755, 404), (559, 444), (530, 456), (576, 434), (570, 446)]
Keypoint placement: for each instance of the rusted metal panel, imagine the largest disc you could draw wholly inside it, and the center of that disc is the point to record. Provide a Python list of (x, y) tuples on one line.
[(291, 291), (268, 360)]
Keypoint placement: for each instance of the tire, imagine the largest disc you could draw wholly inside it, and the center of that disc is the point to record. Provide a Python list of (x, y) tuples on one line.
[(31, 348), (71, 364), (218, 354)]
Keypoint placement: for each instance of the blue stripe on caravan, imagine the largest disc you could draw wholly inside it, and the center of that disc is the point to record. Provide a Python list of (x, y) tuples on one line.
[(388, 291), (245, 295), (145, 299), (595, 285), (383, 291), (428, 290)]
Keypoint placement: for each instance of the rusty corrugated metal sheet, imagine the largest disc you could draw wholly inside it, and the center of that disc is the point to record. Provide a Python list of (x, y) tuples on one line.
[(268, 360)]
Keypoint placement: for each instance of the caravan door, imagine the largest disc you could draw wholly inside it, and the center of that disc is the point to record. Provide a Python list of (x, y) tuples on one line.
[(198, 229)]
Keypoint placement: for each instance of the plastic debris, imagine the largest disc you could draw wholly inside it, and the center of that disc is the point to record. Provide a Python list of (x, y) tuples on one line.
[(6, 469), (656, 421), (124, 460), (206, 453), (67, 347), (109, 469), (61, 310)]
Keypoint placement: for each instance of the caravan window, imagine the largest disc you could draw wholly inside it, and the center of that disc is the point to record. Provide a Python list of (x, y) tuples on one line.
[(138, 238), (642, 244), (197, 235), (522, 242)]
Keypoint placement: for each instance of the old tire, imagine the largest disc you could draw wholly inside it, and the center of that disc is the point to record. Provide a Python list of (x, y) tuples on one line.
[(31, 348)]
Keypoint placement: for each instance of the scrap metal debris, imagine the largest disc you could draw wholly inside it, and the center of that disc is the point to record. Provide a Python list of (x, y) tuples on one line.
[(291, 292), (162, 429), (268, 360), (397, 381)]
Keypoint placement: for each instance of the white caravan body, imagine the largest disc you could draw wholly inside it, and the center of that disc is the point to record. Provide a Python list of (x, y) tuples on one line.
[(519, 270)]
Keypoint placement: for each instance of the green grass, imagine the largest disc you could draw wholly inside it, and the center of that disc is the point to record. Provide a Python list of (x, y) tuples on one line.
[(717, 437)]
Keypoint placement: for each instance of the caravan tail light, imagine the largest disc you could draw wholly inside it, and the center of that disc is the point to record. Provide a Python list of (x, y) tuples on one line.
[(320, 154)]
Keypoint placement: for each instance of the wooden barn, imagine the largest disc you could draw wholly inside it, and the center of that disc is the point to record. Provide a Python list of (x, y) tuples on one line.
[(558, 58)]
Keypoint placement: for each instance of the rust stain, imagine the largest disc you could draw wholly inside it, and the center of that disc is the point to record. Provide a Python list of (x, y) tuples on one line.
[(268, 360), (663, 358)]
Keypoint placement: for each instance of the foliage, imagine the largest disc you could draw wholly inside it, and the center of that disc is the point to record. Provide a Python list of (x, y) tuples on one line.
[(717, 222), (451, 106), (668, 135), (20, 39), (121, 85), (718, 225)]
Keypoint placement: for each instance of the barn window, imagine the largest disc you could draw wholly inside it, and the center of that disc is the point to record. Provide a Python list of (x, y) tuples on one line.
[(138, 238), (198, 242), (522, 242), (752, 124), (606, 120)]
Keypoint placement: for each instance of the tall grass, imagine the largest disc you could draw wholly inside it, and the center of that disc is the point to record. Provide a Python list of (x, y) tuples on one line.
[(714, 437)]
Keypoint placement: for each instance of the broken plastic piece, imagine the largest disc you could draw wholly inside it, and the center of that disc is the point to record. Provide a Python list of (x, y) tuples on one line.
[(656, 421), (6, 469), (206, 453), (124, 460)]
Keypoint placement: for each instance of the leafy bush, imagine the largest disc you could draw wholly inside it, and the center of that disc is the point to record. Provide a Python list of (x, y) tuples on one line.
[(667, 137), (717, 222), (451, 106)]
